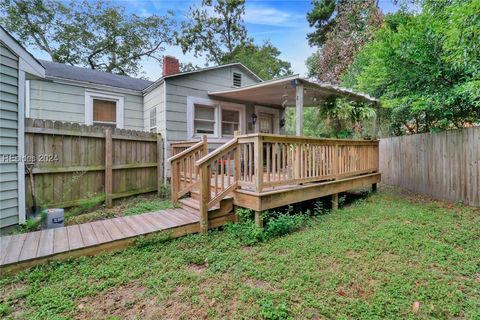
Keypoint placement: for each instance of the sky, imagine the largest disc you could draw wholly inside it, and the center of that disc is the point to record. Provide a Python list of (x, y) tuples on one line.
[(280, 21)]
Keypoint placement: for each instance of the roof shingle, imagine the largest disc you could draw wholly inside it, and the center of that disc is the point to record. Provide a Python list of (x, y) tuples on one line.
[(59, 70)]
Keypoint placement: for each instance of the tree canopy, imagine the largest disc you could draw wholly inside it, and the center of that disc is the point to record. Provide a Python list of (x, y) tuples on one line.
[(425, 67), (91, 34), (216, 30)]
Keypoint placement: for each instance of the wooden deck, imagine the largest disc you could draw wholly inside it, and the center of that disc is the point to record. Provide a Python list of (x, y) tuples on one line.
[(29, 249), (265, 171)]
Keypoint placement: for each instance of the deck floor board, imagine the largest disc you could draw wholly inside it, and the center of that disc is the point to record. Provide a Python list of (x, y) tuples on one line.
[(45, 244)]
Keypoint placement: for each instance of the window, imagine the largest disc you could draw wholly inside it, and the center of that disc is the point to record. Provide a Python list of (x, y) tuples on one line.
[(230, 121), (103, 109), (105, 112), (219, 120), (153, 120), (204, 120), (237, 79)]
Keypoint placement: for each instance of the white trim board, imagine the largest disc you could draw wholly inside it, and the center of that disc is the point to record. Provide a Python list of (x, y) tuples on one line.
[(276, 118), (21, 147), (218, 105), (90, 95)]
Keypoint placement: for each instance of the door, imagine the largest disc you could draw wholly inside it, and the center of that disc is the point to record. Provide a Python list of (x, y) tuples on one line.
[(265, 122)]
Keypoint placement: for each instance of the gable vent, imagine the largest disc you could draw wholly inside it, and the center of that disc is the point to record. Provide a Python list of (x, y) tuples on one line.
[(237, 79)]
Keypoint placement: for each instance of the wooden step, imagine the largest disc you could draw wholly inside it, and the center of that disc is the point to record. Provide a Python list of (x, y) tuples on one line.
[(194, 204)]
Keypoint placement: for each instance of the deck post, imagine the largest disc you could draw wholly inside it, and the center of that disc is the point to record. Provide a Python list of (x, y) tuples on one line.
[(259, 219), (335, 201), (258, 163), (374, 188), (237, 166), (204, 197), (299, 109)]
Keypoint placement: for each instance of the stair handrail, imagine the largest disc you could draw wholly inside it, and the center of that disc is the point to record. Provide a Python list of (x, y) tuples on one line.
[(204, 166), (182, 184)]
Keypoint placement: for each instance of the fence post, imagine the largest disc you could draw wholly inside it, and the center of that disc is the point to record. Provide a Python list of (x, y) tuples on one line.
[(160, 168), (108, 167)]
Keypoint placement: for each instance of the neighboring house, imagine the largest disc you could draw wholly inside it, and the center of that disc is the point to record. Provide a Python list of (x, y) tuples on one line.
[(16, 65)]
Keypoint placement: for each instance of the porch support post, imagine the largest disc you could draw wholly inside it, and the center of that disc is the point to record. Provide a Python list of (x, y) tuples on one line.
[(335, 201), (259, 219), (299, 109)]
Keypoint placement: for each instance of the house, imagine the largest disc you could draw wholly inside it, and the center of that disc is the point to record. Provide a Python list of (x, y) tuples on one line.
[(16, 65), (177, 105)]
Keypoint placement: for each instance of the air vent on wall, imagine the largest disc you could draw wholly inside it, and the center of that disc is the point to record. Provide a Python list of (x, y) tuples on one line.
[(237, 79)]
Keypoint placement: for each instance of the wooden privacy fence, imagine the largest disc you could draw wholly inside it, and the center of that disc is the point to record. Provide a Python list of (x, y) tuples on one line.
[(72, 163), (442, 165)]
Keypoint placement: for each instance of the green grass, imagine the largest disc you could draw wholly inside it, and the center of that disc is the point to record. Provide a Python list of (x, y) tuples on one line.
[(124, 207), (371, 260)]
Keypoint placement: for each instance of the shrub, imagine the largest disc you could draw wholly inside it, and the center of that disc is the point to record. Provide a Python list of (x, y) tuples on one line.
[(277, 224)]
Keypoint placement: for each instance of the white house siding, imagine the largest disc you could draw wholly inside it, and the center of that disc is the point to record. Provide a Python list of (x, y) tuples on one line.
[(66, 102), (8, 136), (195, 85), (155, 99)]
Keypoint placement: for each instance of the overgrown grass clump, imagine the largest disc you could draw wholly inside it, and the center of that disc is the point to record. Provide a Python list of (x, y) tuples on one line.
[(383, 257)]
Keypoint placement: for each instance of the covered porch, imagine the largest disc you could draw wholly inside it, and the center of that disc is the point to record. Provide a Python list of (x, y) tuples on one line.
[(261, 171)]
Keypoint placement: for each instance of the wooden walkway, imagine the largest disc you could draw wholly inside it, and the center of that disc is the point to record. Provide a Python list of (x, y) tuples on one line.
[(28, 249)]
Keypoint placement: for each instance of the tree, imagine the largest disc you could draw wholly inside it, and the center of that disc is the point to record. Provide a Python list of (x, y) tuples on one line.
[(214, 29), (341, 32), (322, 18), (90, 34), (425, 67), (263, 60)]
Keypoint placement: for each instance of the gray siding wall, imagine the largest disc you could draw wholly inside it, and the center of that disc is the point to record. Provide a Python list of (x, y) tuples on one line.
[(155, 100), (66, 102), (195, 85), (8, 136)]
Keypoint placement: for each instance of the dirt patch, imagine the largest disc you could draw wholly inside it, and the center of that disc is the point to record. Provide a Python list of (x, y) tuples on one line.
[(131, 302), (197, 268), (260, 284), (8, 296)]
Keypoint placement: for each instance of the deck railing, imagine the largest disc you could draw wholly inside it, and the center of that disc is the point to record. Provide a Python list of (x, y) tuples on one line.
[(262, 162), (179, 146), (184, 172)]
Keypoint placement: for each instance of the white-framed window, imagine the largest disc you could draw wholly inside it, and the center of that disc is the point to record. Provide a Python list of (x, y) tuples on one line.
[(153, 119), (214, 118), (237, 79), (104, 109)]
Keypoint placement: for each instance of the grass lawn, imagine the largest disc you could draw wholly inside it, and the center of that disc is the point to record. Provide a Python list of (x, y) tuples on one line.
[(387, 256)]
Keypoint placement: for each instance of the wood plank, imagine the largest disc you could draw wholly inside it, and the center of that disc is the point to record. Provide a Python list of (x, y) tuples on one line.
[(164, 219), (112, 229), (138, 227), (178, 219), (30, 246), (124, 227), (3, 247), (74, 235), (45, 247), (189, 216), (100, 232), (14, 248), (60, 240), (88, 235)]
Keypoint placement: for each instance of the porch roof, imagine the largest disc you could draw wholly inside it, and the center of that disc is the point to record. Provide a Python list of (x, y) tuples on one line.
[(276, 92)]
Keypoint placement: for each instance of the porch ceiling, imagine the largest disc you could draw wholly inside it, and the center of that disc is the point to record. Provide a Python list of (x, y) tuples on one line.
[(275, 92)]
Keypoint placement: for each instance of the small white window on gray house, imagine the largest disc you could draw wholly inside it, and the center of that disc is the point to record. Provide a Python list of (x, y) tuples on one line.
[(153, 120), (230, 121), (204, 119), (105, 112), (237, 79)]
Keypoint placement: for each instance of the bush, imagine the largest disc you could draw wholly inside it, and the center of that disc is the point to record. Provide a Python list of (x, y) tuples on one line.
[(277, 224)]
